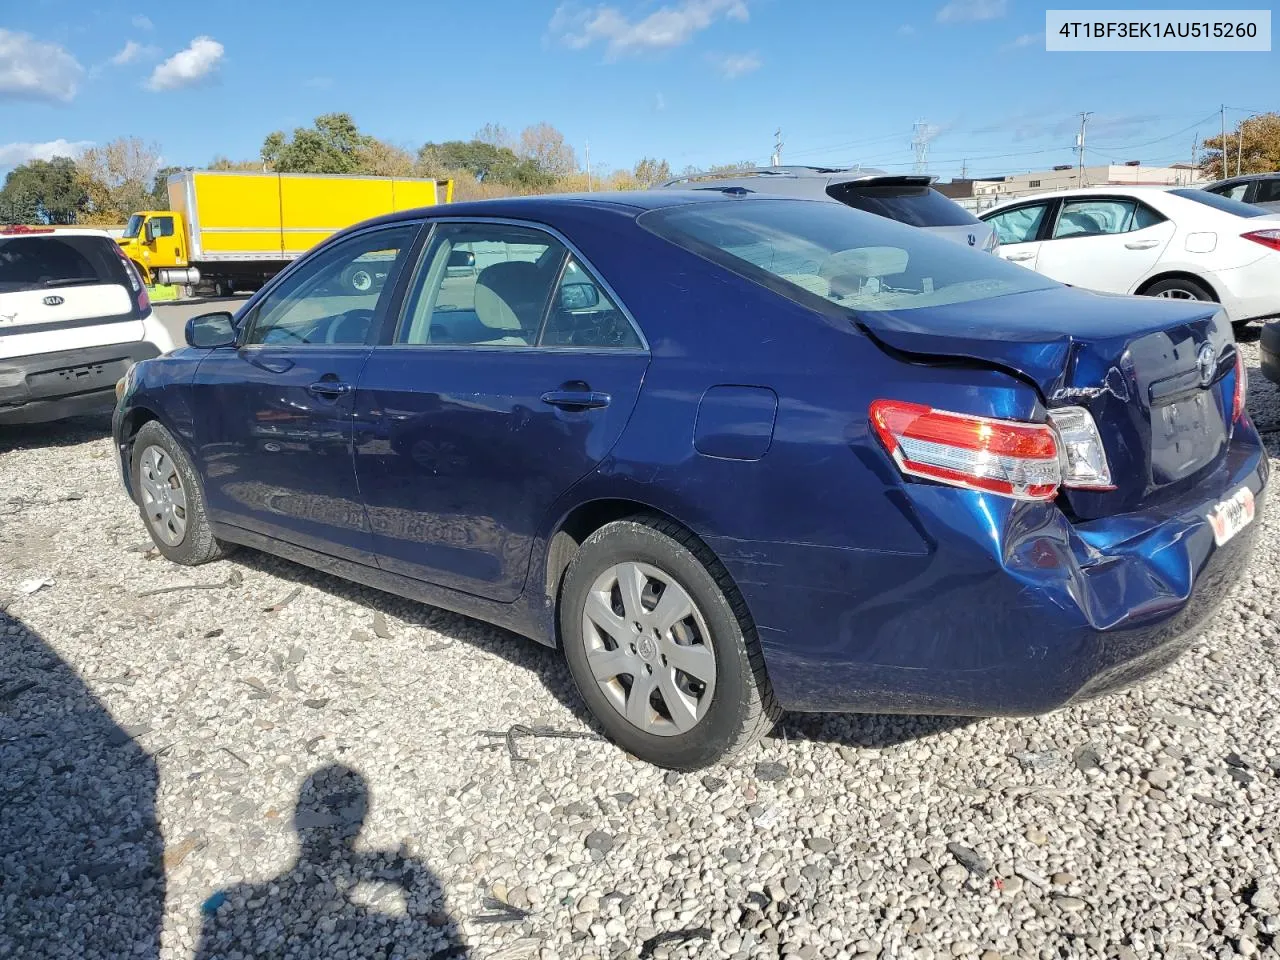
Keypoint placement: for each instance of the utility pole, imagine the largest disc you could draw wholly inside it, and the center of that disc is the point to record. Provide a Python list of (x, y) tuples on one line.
[(776, 159), (1084, 119), (1240, 144), (587, 152), (1223, 144)]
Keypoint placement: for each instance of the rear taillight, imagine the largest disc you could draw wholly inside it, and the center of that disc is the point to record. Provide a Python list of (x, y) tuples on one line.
[(140, 297), (1007, 457), (1268, 238), (1242, 387)]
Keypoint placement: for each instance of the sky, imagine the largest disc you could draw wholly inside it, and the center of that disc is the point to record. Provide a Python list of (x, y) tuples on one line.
[(696, 82)]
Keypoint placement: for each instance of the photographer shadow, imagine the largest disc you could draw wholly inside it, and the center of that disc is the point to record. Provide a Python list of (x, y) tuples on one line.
[(334, 900)]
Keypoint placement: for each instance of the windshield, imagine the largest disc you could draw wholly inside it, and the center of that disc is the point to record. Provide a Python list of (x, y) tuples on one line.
[(134, 226), (40, 263), (862, 262), (1225, 204)]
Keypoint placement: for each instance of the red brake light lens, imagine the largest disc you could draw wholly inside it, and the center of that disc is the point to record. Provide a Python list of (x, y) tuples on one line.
[(1242, 387), (1007, 457), (1268, 238)]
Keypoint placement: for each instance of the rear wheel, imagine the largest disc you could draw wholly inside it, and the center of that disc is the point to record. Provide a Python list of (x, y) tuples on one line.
[(1177, 288), (170, 498), (661, 647)]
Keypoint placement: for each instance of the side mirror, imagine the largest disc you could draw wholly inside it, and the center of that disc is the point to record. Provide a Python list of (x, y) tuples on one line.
[(462, 258), (149, 232), (211, 330), (579, 296)]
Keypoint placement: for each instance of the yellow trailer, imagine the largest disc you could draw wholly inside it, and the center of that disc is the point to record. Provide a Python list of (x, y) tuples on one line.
[(235, 230)]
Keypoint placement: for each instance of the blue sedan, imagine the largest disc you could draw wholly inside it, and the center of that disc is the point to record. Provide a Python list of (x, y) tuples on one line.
[(732, 454)]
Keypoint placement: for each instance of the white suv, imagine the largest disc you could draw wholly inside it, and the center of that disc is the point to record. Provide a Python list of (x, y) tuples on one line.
[(74, 316)]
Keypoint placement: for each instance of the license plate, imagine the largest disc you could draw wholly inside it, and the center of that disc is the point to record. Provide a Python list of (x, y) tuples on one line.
[(1231, 515)]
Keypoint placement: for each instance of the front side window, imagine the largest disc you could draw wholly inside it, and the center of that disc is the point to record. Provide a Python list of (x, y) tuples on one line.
[(334, 297), (1021, 225), (162, 226), (857, 262), (1091, 218), (482, 284)]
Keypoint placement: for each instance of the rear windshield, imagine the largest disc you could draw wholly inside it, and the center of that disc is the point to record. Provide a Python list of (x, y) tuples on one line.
[(853, 260), (918, 206), (1225, 204), (44, 261)]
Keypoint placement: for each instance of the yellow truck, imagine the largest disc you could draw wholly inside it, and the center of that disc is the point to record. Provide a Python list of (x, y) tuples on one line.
[(234, 231)]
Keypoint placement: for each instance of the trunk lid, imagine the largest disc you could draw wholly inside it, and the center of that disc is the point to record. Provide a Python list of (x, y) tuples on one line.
[(1158, 376)]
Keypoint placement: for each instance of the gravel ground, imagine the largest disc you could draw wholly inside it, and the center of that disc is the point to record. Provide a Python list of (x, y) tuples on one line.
[(266, 761)]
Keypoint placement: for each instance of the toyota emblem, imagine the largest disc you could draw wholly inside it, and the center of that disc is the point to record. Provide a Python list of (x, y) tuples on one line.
[(972, 240), (1207, 364), (53, 301)]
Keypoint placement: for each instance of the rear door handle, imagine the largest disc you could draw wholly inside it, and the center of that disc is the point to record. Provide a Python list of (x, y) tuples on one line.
[(329, 388), (1020, 256), (576, 399), (1141, 244)]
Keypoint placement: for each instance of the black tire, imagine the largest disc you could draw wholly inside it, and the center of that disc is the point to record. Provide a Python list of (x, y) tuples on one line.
[(742, 707), (1178, 288), (197, 544)]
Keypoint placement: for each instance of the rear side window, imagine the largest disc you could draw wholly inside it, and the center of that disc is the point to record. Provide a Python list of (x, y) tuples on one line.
[(917, 206), (857, 262), (46, 261), (1224, 204), (1268, 191)]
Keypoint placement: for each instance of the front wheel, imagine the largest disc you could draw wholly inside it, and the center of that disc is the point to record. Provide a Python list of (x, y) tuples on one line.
[(170, 498), (661, 646)]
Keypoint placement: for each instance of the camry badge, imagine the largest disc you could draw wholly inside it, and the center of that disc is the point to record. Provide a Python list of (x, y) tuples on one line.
[(1207, 364), (53, 301)]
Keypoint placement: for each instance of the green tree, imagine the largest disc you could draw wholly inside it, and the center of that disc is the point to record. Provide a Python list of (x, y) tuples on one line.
[(1254, 147), (43, 191), (546, 148), (332, 145), (484, 161), (221, 162), (649, 172)]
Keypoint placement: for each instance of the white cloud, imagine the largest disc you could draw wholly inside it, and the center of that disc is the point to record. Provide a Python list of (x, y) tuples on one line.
[(143, 23), (734, 65), (1026, 40), (906, 30), (666, 27), (128, 53), (318, 82), (959, 10), (31, 69), (14, 154), (187, 67)]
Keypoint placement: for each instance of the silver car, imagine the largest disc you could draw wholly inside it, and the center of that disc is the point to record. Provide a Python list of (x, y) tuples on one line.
[(1259, 189), (907, 198)]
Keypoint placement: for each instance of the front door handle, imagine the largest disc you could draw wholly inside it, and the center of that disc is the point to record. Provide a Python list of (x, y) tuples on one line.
[(329, 388), (576, 399), (1020, 256), (1141, 244)]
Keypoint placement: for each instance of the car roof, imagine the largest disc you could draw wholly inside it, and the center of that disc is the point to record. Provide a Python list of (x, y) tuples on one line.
[(56, 232), (1244, 178), (546, 206)]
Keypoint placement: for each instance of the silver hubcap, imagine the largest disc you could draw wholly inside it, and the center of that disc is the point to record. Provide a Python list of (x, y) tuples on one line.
[(361, 280), (1175, 294), (163, 498), (649, 649)]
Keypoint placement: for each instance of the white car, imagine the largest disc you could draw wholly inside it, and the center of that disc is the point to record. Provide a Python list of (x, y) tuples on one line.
[(1180, 243), (74, 316)]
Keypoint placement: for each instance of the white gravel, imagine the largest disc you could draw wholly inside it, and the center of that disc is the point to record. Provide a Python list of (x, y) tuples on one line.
[(1146, 824)]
